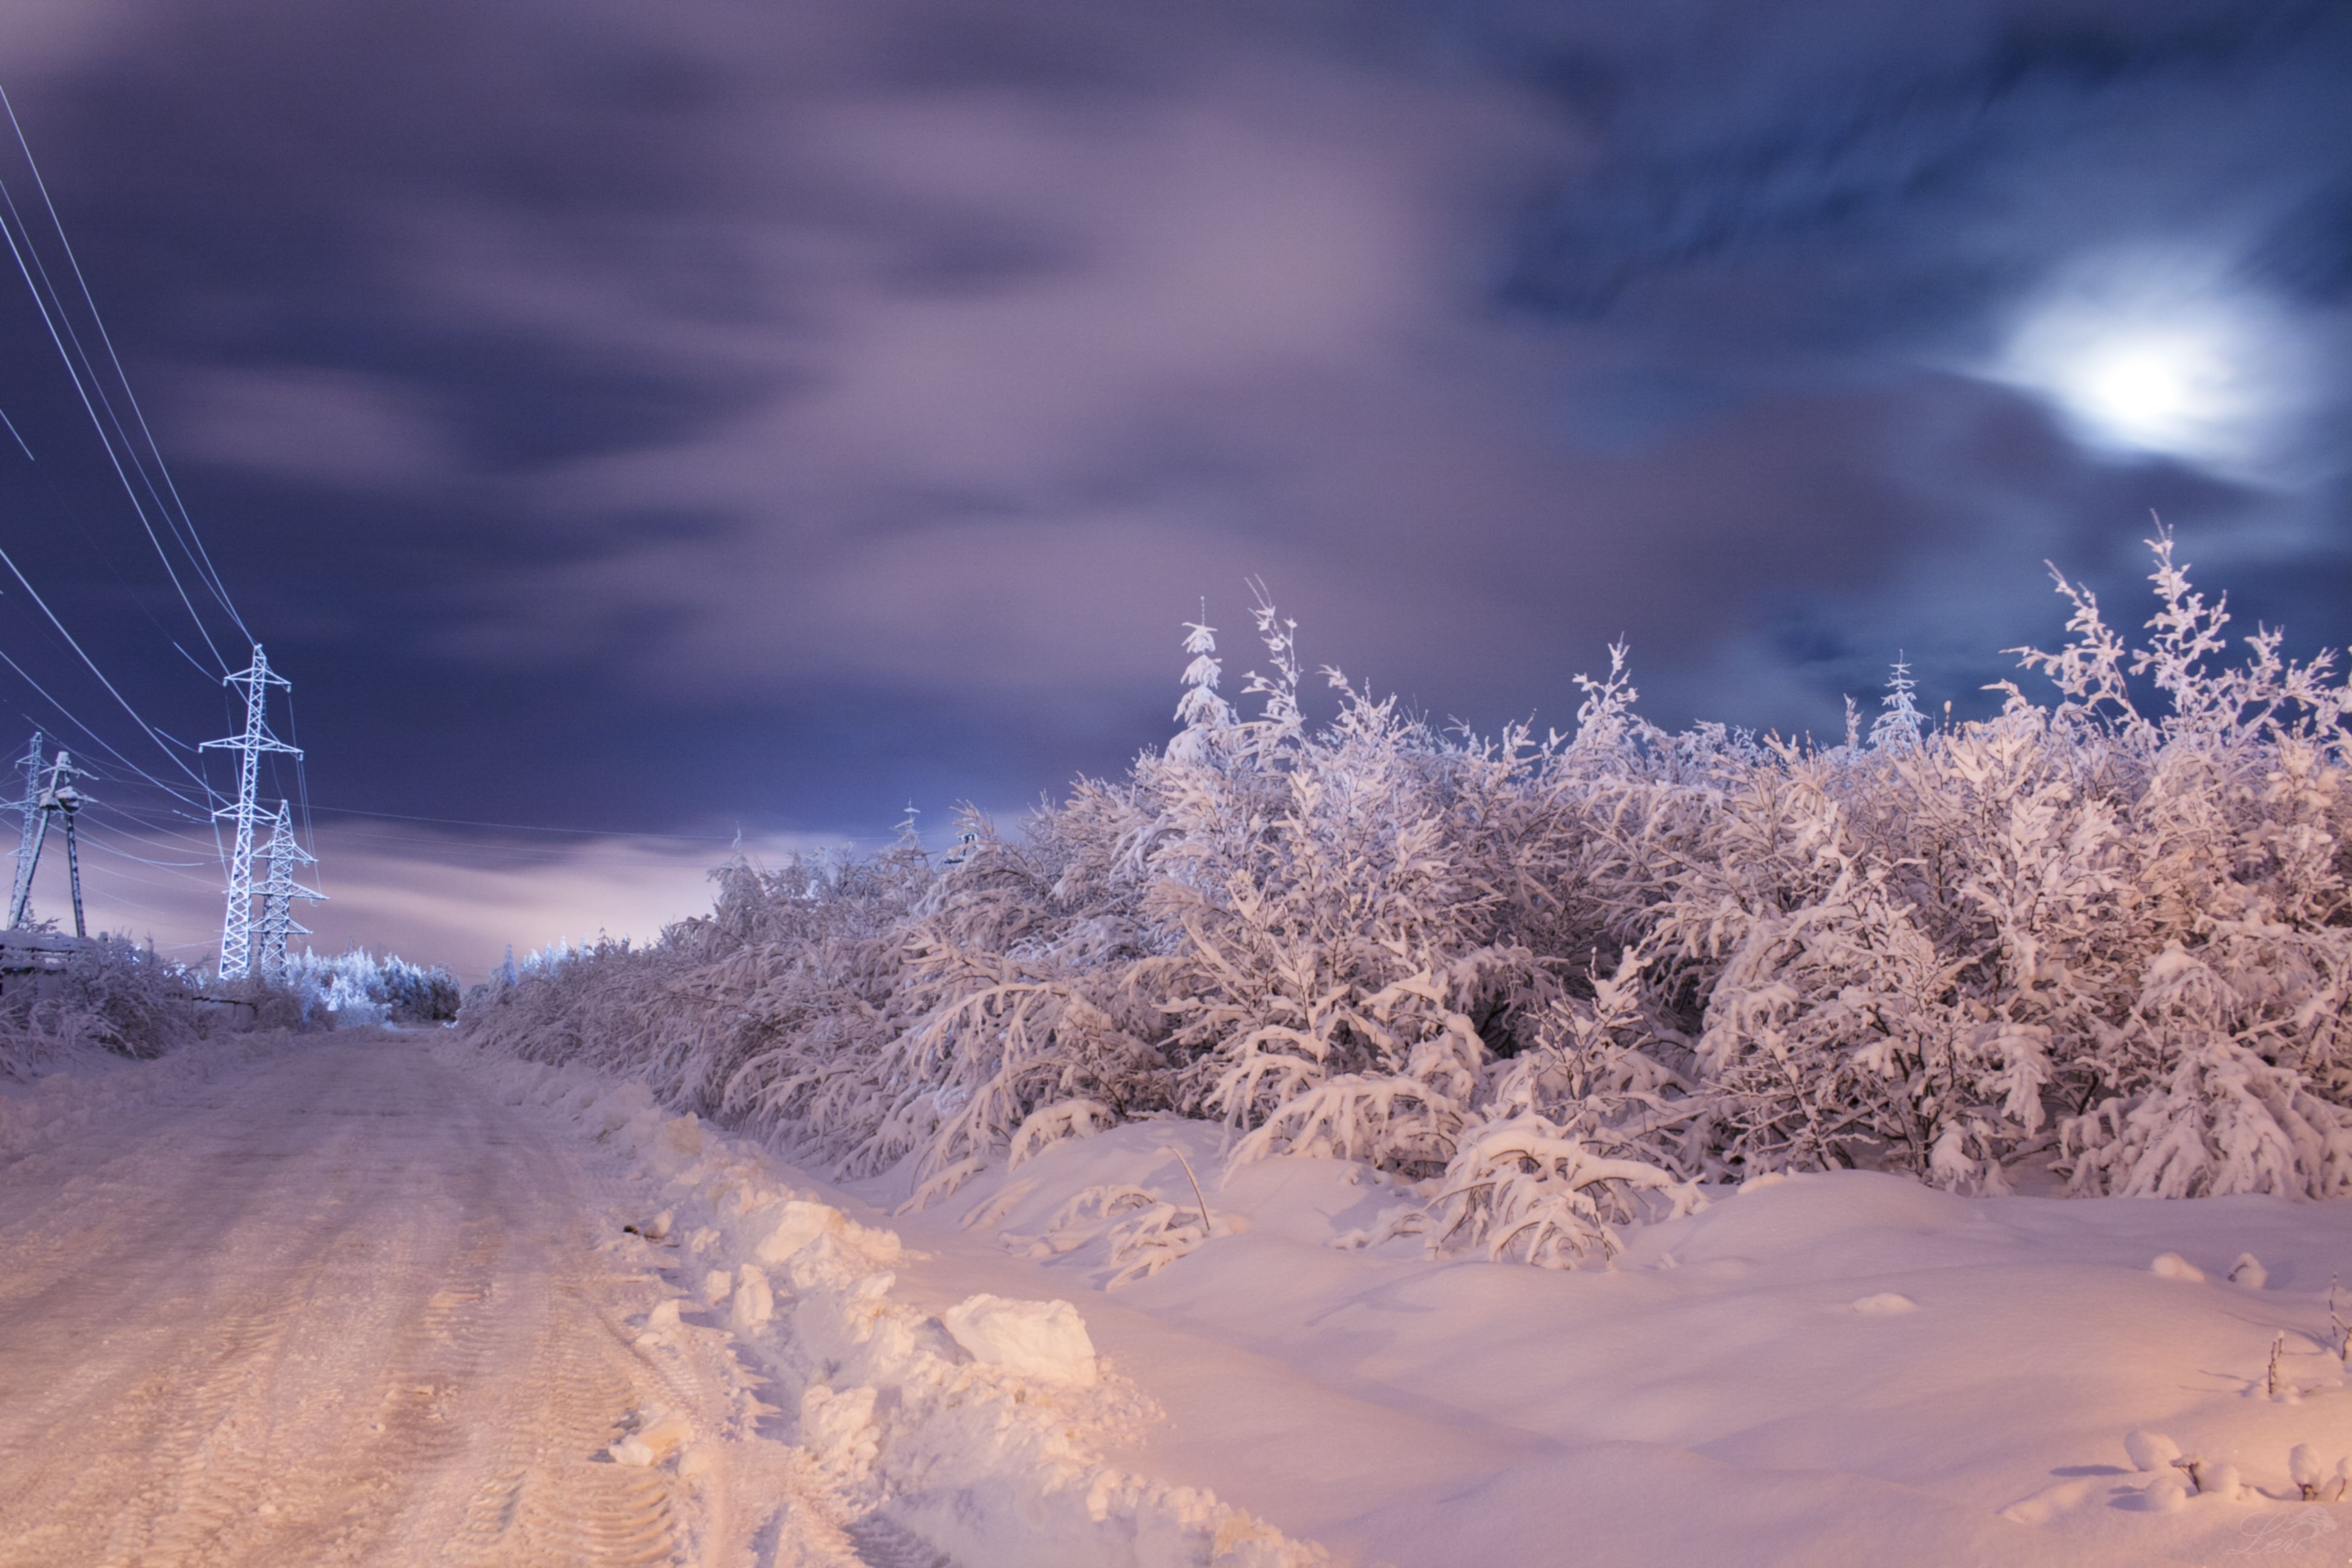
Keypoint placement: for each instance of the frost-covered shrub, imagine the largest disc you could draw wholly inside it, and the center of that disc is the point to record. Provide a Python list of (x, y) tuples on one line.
[(112, 996), (264, 1005), (776, 1006), (1567, 982), (416, 994), (355, 987)]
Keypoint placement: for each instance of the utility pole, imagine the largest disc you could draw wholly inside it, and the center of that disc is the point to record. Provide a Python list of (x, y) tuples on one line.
[(236, 925), (28, 845), (278, 891)]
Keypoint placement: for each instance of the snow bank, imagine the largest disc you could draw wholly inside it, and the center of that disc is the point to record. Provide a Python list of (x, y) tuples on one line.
[(57, 1105), (983, 1430), (1823, 1369)]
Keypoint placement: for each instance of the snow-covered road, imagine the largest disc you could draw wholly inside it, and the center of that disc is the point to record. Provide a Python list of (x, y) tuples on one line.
[(340, 1305)]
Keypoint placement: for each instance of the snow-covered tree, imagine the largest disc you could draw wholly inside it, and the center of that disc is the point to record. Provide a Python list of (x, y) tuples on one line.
[(1899, 726), (1203, 713)]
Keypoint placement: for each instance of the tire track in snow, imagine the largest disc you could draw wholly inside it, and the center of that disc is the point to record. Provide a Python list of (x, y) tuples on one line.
[(552, 1493), (138, 1419), (341, 1308)]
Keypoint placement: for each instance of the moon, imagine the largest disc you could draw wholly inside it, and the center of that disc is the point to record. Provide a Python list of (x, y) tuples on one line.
[(2141, 358)]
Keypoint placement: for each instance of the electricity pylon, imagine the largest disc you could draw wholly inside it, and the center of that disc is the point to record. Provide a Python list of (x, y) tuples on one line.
[(28, 845), (59, 796), (236, 925), (62, 797), (278, 891)]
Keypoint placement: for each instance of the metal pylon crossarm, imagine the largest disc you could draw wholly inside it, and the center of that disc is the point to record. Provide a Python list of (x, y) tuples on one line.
[(253, 682)]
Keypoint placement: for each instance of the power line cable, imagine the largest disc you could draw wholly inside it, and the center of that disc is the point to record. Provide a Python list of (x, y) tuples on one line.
[(110, 848), (301, 773), (75, 720), (83, 390), (193, 543), (73, 514), (529, 826)]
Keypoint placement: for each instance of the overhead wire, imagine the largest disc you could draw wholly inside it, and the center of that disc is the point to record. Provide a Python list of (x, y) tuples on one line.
[(87, 836), (192, 542), (133, 833), (83, 390), (161, 837), (529, 826), (125, 458), (73, 515), (75, 720), (301, 773), (514, 852)]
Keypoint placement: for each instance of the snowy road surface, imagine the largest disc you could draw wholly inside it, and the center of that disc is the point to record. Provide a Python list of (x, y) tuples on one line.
[(341, 1306)]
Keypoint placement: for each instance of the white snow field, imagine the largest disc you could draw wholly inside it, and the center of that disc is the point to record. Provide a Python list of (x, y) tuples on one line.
[(385, 1300), (1838, 1369)]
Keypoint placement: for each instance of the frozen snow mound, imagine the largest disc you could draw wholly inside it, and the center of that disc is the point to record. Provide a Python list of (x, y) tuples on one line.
[(1042, 1339)]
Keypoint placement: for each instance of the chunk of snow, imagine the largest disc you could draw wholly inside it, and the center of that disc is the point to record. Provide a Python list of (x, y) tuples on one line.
[(2220, 1481), (754, 1301), (797, 1224), (682, 1136), (1043, 1339), (665, 1435), (2248, 1271), (631, 1451), (2172, 1266), (1886, 1301), (837, 1427), (2150, 1450)]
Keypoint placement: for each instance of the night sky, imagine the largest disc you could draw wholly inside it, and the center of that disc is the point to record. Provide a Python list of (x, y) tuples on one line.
[(673, 420)]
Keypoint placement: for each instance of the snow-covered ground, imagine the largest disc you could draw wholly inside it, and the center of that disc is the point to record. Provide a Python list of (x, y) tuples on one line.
[(334, 1303), (381, 1300), (1847, 1369), (360, 1301)]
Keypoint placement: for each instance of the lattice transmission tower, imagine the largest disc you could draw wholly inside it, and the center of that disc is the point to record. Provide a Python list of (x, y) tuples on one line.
[(28, 846), (278, 891), (254, 682), (56, 794)]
